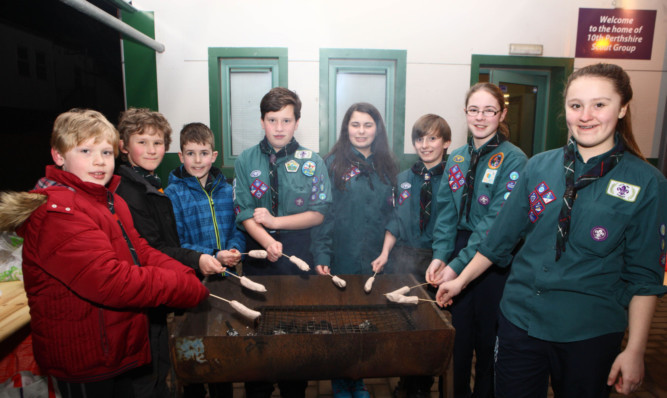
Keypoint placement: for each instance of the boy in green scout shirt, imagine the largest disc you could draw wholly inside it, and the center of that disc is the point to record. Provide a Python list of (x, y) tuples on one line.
[(409, 235), (281, 190)]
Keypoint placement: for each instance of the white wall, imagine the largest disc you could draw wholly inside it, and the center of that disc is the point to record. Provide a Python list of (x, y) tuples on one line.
[(439, 36)]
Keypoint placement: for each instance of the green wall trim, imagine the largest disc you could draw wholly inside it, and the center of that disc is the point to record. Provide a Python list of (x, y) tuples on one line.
[(560, 69), (399, 57), (122, 5), (216, 86), (140, 65)]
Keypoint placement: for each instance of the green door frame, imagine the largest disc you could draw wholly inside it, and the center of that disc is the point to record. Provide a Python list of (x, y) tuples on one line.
[(221, 61), (559, 69), (227, 67)]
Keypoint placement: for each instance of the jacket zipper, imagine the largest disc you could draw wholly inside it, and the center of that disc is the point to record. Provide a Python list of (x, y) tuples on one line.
[(215, 222)]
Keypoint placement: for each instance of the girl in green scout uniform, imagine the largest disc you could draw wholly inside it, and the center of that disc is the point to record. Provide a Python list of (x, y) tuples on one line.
[(480, 176), (408, 237), (363, 174), (593, 215)]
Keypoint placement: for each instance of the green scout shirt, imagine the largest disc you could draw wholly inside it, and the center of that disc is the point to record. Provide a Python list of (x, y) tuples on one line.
[(496, 175), (302, 176), (404, 224), (615, 249), (352, 233)]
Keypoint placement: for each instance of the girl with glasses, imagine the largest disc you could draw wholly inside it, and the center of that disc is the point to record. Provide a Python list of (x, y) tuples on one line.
[(480, 176)]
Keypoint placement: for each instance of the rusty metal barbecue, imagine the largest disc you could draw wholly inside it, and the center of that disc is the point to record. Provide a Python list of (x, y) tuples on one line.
[(310, 329)]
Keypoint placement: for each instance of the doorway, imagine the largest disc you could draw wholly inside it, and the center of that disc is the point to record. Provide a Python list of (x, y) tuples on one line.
[(526, 93), (533, 89)]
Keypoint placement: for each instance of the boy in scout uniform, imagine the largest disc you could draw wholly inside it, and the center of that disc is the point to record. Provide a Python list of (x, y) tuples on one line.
[(409, 234), (281, 190)]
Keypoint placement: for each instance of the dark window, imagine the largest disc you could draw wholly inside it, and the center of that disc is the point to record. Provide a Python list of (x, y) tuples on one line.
[(22, 61)]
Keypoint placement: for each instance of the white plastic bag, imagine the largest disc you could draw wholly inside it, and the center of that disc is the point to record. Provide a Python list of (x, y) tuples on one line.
[(31, 386), (11, 257)]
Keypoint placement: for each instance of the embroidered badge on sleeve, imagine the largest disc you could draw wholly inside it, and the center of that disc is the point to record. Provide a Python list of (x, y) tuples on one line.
[(456, 178), (541, 196), (403, 196), (258, 188)]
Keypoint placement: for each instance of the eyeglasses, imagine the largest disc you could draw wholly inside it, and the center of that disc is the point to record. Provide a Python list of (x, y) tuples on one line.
[(486, 112)]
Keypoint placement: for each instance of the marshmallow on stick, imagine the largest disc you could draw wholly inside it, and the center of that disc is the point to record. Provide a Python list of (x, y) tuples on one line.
[(258, 287), (338, 281), (245, 311), (257, 253), (399, 298), (401, 291), (303, 266), (245, 281), (369, 283), (240, 308)]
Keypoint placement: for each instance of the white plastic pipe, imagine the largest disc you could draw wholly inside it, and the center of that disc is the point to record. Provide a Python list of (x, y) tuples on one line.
[(113, 22)]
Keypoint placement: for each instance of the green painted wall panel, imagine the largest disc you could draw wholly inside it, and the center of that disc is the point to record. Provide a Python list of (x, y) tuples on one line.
[(140, 64)]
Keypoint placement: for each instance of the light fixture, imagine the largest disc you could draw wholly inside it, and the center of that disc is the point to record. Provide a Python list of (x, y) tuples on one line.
[(525, 49)]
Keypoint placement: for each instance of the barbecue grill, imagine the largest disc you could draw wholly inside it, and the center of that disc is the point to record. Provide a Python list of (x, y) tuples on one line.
[(310, 329)]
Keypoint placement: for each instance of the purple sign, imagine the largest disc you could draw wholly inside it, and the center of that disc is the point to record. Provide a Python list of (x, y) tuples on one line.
[(615, 33)]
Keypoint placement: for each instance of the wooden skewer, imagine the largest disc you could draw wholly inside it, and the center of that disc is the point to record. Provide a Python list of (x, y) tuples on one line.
[(220, 298), (430, 301), (226, 272), (418, 298), (421, 284)]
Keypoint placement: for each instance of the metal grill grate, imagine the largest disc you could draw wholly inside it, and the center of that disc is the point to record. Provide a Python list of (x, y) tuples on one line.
[(333, 320)]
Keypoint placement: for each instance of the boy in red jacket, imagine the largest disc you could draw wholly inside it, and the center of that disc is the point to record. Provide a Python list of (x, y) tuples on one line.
[(87, 271)]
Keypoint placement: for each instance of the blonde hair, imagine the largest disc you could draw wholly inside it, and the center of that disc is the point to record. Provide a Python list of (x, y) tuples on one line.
[(75, 126)]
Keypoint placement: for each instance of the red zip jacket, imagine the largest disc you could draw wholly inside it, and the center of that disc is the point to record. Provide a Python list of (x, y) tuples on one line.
[(84, 290)]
